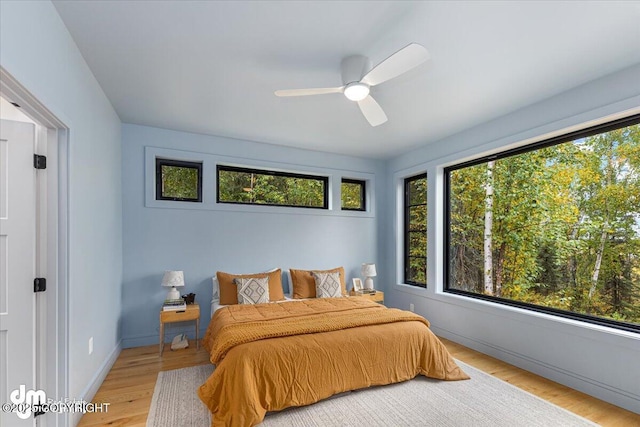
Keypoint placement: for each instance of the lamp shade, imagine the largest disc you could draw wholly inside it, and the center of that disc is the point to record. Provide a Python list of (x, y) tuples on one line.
[(173, 278), (369, 270)]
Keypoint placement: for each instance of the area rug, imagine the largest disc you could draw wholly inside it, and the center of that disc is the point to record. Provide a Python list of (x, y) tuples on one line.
[(482, 401)]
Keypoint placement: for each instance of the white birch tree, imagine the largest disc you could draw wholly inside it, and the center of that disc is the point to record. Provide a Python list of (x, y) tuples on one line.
[(488, 233)]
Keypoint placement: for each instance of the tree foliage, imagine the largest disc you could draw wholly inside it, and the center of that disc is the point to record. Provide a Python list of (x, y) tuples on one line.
[(352, 195), (179, 182), (416, 234), (256, 188), (565, 226)]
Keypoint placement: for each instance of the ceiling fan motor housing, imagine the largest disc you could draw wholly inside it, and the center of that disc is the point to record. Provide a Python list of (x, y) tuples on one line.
[(354, 67)]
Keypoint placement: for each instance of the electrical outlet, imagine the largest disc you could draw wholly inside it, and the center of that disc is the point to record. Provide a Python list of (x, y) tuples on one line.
[(90, 345), (411, 308)]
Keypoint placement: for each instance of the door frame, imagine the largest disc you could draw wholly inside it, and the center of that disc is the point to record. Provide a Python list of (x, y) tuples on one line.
[(52, 201)]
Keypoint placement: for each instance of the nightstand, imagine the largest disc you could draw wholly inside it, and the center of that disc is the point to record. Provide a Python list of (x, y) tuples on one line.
[(191, 313), (377, 297)]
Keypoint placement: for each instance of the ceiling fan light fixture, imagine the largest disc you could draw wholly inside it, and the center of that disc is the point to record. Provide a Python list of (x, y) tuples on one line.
[(356, 91)]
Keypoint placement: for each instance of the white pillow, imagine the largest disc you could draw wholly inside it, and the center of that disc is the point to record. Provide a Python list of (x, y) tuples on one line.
[(216, 289), (288, 273)]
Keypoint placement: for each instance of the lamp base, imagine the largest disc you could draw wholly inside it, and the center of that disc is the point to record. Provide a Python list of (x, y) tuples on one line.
[(368, 283), (173, 293)]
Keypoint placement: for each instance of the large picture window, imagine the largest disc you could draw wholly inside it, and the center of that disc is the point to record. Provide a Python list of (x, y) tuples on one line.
[(415, 230), (553, 227), (263, 187)]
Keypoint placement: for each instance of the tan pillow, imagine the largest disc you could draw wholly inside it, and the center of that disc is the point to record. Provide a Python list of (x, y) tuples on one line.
[(303, 284), (229, 291)]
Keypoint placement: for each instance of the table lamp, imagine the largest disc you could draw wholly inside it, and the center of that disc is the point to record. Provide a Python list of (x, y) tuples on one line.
[(173, 279), (368, 271)]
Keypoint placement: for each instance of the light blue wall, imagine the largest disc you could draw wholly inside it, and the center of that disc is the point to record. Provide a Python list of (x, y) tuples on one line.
[(242, 239), (105, 215), (597, 360), (36, 48)]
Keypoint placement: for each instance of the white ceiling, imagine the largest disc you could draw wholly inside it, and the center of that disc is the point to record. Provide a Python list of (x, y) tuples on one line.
[(212, 67)]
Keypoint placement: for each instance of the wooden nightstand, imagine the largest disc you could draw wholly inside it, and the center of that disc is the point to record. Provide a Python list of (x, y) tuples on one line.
[(377, 297), (191, 313)]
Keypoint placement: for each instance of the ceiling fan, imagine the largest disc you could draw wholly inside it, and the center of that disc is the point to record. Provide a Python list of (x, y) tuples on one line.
[(357, 84)]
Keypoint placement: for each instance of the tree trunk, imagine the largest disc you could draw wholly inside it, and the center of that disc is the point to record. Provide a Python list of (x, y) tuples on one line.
[(603, 238), (500, 269), (488, 234), (596, 269)]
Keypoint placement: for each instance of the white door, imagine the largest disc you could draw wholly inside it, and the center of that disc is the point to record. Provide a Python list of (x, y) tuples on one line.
[(17, 263)]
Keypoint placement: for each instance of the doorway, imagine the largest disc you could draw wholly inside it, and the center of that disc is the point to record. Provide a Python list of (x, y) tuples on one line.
[(50, 321)]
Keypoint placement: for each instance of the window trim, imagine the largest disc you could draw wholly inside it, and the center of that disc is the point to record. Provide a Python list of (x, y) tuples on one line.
[(324, 179), (405, 230), (363, 193), (163, 161), (568, 137)]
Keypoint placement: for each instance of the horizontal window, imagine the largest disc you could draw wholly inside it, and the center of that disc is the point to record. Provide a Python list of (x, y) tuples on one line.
[(264, 187), (178, 180), (353, 195), (553, 227)]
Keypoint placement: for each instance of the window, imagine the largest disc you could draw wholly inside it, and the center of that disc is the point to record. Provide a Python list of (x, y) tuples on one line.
[(353, 195), (415, 230), (263, 187), (178, 180), (552, 227)]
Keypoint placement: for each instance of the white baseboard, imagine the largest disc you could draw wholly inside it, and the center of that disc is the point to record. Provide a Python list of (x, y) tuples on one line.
[(94, 385), (576, 381)]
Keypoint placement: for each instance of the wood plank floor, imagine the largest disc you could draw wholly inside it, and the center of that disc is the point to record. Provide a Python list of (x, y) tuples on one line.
[(129, 386)]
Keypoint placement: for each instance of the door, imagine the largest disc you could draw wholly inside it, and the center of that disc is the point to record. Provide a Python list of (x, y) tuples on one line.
[(17, 264)]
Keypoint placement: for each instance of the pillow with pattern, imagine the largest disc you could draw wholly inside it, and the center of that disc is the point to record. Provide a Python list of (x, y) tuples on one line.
[(252, 290), (327, 285), (303, 284)]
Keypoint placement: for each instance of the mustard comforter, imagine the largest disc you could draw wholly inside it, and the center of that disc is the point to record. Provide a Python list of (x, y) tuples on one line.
[(272, 356)]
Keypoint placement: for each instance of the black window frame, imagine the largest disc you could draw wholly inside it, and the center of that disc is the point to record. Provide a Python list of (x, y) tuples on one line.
[(161, 161), (324, 179), (407, 219), (572, 136), (363, 194)]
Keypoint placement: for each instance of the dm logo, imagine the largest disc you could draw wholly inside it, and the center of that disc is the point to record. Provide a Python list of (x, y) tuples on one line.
[(26, 400)]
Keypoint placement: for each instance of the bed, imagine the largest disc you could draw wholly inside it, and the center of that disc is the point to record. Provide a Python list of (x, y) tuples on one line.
[(270, 357)]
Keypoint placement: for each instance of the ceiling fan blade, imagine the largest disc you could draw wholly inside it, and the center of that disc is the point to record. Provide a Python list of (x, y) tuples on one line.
[(399, 63), (305, 92), (372, 111)]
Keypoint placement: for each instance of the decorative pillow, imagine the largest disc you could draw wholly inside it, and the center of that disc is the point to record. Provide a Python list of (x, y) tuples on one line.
[(327, 285), (303, 284), (252, 290), (229, 292)]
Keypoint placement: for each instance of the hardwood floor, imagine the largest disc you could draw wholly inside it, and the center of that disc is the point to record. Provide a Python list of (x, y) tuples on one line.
[(130, 383), (579, 403)]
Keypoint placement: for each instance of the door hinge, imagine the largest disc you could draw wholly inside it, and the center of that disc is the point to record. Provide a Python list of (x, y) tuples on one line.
[(39, 284), (39, 162)]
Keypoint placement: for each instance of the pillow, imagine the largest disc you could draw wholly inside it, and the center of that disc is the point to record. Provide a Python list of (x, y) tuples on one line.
[(252, 290), (327, 285), (229, 291), (216, 288), (303, 284)]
